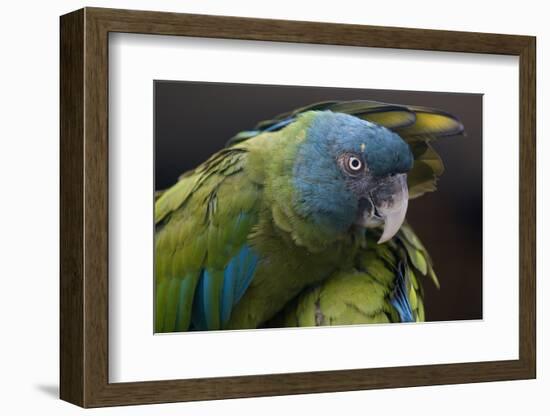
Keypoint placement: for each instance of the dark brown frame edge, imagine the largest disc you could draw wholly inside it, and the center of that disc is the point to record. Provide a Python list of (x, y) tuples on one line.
[(84, 210)]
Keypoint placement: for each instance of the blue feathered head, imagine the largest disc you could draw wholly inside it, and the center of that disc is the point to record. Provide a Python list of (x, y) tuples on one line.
[(350, 171)]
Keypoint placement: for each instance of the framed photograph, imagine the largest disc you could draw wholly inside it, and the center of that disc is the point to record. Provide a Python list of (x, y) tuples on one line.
[(260, 207)]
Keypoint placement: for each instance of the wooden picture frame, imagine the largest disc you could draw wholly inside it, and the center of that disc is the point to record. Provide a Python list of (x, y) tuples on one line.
[(84, 207)]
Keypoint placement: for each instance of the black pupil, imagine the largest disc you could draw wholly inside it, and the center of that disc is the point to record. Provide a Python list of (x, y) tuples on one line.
[(355, 163)]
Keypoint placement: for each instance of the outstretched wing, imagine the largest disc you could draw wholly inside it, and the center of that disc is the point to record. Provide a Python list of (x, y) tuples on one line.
[(203, 262), (416, 125), (382, 287)]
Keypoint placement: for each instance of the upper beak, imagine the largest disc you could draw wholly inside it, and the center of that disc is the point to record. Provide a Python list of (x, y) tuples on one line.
[(388, 202)]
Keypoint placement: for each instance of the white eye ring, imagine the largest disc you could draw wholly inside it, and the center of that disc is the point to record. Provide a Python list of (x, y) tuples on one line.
[(355, 164)]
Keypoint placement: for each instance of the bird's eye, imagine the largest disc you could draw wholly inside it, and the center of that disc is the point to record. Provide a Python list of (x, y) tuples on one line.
[(354, 164), (351, 163)]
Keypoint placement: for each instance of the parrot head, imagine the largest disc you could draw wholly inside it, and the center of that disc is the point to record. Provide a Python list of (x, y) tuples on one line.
[(349, 171)]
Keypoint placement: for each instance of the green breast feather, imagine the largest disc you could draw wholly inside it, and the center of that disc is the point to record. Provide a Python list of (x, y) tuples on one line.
[(368, 292)]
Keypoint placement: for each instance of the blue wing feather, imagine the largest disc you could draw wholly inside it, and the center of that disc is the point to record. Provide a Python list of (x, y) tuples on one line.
[(237, 276), (229, 283), (280, 124), (247, 261), (197, 312), (399, 300)]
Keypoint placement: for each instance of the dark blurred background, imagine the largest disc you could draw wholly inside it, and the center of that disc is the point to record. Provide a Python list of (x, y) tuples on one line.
[(195, 119)]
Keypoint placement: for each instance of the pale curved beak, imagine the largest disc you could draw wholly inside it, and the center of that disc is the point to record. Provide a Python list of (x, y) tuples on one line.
[(393, 211), (387, 206)]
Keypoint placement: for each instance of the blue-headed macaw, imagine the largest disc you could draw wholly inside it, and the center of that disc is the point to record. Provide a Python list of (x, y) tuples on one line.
[(301, 222)]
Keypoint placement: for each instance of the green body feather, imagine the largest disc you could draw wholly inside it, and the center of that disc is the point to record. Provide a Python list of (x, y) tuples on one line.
[(361, 294)]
